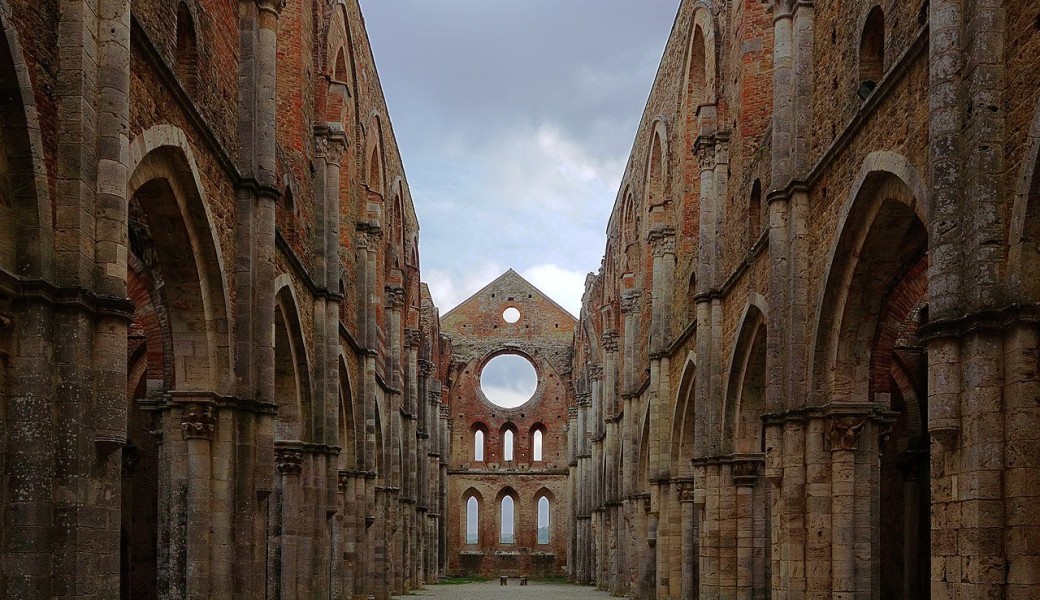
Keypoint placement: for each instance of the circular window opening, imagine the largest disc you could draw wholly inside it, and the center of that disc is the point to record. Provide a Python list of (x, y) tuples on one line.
[(508, 380), (511, 315)]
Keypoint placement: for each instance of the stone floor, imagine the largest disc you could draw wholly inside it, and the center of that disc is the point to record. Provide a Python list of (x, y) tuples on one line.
[(491, 590)]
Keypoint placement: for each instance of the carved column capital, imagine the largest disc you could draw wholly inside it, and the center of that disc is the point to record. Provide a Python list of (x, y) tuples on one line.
[(344, 481), (630, 302), (199, 422), (610, 341), (369, 236), (686, 491), (412, 337), (662, 240), (426, 369), (272, 6), (844, 432), (704, 148), (394, 297), (595, 373), (746, 472), (288, 460)]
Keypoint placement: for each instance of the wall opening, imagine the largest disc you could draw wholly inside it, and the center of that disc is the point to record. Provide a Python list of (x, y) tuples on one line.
[(872, 52), (543, 520), (536, 445), (187, 49), (478, 445), (507, 445), (472, 521), (508, 380), (508, 535)]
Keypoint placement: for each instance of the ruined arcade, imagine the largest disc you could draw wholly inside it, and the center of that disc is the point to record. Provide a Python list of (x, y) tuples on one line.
[(806, 368)]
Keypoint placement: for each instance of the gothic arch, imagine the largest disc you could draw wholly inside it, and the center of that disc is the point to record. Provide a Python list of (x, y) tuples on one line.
[(881, 229), (745, 388), (701, 68), (25, 224), (1024, 238), (292, 372), (684, 419), (349, 434), (657, 172), (165, 185), (375, 167)]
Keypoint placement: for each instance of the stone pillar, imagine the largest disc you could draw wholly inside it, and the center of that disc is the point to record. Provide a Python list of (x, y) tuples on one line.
[(844, 437), (199, 422), (690, 542)]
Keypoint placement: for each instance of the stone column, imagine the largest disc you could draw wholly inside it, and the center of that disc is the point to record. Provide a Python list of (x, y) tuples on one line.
[(844, 437), (199, 422), (690, 541)]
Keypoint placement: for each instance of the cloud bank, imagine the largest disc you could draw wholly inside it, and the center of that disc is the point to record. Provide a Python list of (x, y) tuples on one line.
[(515, 119)]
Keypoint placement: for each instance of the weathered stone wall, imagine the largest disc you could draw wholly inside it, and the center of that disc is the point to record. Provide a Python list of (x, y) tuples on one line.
[(219, 366), (829, 339)]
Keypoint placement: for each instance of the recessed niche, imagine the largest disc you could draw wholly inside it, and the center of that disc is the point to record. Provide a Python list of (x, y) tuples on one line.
[(511, 315), (508, 380)]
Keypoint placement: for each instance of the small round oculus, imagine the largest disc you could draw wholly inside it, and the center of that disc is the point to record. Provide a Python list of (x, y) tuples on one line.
[(508, 380), (511, 315)]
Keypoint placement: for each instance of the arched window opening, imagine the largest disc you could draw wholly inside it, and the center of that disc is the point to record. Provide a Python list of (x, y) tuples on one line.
[(508, 536), (507, 445), (187, 49), (871, 52), (472, 520), (339, 73), (543, 520), (697, 77), (536, 444), (755, 211), (288, 200), (375, 172), (478, 446)]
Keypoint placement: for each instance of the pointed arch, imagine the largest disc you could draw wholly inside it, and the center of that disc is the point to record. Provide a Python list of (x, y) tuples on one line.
[(165, 190), (508, 502), (375, 171), (26, 240), (881, 231), (684, 419), (292, 372), (187, 48), (872, 49), (657, 174), (745, 389), (349, 434), (1024, 237), (701, 65)]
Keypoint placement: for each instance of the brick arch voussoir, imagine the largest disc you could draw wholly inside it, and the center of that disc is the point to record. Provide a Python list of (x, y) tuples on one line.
[(908, 295)]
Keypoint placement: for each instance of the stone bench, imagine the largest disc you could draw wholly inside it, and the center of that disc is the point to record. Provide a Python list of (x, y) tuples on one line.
[(523, 580), (503, 579)]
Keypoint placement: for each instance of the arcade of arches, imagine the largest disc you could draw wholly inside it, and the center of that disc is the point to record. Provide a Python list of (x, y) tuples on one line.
[(807, 366)]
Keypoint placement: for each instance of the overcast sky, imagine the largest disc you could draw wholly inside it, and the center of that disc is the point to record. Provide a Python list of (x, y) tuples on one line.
[(515, 119)]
